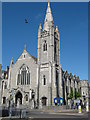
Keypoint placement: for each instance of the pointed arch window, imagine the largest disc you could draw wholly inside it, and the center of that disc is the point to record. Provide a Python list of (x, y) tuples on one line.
[(28, 78), (23, 77), (26, 97), (55, 47), (4, 100), (44, 80), (45, 46)]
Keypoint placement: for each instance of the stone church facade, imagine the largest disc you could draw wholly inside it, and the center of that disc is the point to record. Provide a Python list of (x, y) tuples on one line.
[(40, 79)]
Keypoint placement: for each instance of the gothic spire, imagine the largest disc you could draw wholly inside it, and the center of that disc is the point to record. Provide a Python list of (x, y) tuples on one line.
[(48, 18)]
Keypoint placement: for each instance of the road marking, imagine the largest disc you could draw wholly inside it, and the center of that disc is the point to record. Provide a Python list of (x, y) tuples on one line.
[(76, 114)]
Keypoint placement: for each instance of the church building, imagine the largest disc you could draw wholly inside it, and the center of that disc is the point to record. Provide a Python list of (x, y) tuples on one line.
[(40, 79)]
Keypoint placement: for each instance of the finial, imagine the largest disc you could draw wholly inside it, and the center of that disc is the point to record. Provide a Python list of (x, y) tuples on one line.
[(48, 4), (25, 47), (40, 26), (12, 58), (56, 28)]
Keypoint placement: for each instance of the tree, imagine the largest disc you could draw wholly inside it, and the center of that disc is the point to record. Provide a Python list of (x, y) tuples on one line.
[(72, 94), (77, 95)]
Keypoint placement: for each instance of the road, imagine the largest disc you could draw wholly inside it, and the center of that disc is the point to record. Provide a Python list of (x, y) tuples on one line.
[(67, 116), (38, 115)]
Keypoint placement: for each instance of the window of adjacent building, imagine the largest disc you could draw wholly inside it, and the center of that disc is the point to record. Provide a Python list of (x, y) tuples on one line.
[(71, 89), (44, 80), (2, 84), (79, 90), (23, 77), (67, 91), (45, 46)]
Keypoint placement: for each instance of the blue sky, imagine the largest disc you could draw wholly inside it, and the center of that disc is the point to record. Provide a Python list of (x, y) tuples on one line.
[(71, 19)]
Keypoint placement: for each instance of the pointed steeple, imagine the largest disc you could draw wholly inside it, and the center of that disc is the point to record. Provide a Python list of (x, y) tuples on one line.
[(48, 18), (48, 4)]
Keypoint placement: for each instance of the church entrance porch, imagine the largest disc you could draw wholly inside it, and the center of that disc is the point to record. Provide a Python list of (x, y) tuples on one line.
[(18, 98), (44, 101)]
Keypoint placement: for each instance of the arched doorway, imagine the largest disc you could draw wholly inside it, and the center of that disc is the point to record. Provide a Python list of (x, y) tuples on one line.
[(44, 101), (18, 98)]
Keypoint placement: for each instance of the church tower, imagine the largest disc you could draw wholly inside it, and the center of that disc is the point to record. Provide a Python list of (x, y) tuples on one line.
[(49, 68)]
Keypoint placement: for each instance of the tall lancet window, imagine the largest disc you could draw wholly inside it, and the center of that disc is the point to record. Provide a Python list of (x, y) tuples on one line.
[(45, 46), (44, 80), (23, 77), (55, 51), (18, 81)]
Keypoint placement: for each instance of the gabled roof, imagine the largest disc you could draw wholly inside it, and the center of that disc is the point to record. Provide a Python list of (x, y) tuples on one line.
[(26, 55)]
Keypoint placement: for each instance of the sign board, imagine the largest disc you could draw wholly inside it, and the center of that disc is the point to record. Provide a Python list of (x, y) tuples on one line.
[(76, 101), (58, 101)]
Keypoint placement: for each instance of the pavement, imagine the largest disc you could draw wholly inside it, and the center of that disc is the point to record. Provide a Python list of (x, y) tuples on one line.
[(39, 115)]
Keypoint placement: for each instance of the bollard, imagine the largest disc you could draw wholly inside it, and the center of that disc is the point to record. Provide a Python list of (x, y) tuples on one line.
[(61, 102), (79, 109), (23, 114), (20, 113), (40, 106), (10, 113), (87, 108)]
